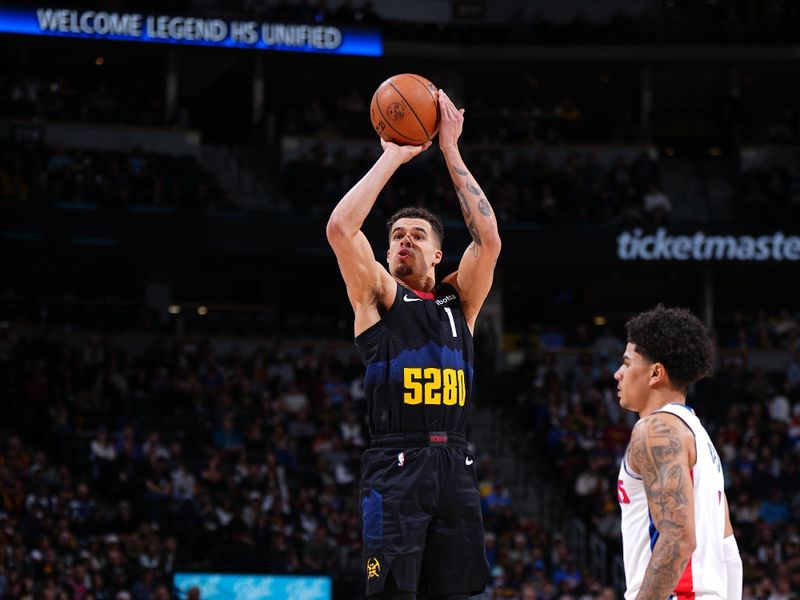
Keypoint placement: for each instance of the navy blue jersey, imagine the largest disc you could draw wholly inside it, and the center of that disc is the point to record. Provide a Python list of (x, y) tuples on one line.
[(419, 364)]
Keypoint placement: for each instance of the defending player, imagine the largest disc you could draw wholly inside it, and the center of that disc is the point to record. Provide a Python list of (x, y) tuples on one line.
[(421, 517), (676, 532)]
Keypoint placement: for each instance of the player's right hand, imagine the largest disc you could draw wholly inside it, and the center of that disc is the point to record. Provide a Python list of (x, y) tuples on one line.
[(404, 153)]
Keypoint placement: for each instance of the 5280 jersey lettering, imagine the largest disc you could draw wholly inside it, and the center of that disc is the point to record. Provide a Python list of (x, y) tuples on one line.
[(433, 385)]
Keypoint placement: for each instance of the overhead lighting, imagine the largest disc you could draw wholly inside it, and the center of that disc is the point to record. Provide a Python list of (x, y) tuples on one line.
[(99, 61), (599, 320), (202, 310), (174, 309)]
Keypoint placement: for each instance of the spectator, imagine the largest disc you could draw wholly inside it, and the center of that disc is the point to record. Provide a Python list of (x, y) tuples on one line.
[(657, 206)]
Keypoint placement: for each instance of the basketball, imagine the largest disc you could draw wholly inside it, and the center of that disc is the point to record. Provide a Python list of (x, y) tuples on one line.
[(405, 110)]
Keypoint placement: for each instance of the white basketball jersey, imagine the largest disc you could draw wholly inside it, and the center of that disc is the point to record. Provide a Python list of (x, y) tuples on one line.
[(705, 575)]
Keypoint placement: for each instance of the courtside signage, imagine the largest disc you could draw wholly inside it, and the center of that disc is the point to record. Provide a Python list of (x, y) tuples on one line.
[(219, 586), (195, 31), (700, 246)]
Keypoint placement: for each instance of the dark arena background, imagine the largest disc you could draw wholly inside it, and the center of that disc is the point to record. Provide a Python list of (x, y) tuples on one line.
[(182, 403)]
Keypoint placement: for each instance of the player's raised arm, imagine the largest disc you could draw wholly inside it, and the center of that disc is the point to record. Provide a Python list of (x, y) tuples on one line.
[(473, 280), (362, 274), (660, 452)]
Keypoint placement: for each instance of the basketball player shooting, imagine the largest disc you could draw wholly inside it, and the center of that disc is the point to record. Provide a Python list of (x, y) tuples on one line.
[(677, 538), (420, 506)]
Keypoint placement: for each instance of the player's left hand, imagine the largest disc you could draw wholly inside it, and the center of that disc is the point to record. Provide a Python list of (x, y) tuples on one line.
[(452, 122), (403, 153)]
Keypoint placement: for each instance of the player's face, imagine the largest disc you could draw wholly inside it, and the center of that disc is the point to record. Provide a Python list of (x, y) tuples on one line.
[(633, 377), (413, 248)]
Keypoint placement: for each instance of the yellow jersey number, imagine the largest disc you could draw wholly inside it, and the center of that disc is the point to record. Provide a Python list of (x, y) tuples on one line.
[(434, 386)]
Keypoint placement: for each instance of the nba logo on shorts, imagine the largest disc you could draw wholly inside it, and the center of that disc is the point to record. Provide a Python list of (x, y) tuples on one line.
[(401, 459)]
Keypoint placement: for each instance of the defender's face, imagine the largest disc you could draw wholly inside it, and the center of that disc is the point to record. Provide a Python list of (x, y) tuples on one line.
[(633, 377), (413, 248)]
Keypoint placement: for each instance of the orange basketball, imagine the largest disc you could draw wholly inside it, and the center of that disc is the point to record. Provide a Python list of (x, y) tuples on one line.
[(405, 110)]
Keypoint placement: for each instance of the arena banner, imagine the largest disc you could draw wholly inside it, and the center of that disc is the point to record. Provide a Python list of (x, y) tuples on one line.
[(661, 245), (190, 30), (219, 586)]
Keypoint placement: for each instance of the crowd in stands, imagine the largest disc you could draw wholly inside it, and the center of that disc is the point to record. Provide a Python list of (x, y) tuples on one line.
[(118, 468), (769, 193), (30, 91), (254, 465), (526, 187), (761, 331), (515, 117), (43, 175)]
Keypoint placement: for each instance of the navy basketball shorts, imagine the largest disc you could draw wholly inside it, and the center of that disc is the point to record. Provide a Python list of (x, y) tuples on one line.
[(421, 516)]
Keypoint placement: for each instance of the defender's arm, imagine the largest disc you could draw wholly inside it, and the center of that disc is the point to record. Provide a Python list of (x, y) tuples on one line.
[(660, 451)]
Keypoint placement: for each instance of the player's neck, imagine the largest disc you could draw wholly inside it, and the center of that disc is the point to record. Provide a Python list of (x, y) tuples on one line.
[(425, 283), (660, 398)]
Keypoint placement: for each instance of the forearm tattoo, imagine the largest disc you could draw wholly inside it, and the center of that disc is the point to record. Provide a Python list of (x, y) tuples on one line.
[(465, 209), (483, 207), (473, 189)]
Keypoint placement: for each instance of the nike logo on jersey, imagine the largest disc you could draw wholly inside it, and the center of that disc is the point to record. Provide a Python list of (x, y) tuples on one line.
[(407, 299), (469, 461)]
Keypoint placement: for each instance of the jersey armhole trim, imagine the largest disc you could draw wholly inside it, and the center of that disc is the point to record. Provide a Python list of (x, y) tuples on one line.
[(689, 427), (363, 335), (627, 470)]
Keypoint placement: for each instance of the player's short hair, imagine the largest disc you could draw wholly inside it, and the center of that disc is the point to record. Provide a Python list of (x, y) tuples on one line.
[(675, 338), (417, 212)]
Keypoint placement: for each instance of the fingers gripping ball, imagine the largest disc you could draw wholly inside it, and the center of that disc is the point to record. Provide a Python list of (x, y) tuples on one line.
[(405, 110)]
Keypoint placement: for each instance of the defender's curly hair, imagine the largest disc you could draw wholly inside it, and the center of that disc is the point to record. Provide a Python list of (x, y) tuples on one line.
[(675, 338), (417, 212)]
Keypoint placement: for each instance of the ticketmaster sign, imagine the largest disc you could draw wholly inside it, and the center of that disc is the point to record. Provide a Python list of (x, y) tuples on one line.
[(699, 246), (198, 31)]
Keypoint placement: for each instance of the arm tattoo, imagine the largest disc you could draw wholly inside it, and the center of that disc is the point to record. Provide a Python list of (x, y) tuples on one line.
[(656, 451), (484, 207), (464, 204), (473, 231), (473, 189), (461, 171)]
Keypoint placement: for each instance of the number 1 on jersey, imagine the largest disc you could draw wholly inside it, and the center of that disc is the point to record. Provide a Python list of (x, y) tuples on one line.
[(452, 322)]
